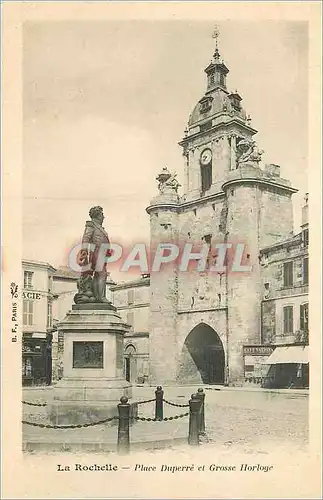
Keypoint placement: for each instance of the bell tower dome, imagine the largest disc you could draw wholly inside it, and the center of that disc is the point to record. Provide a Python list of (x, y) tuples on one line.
[(217, 122)]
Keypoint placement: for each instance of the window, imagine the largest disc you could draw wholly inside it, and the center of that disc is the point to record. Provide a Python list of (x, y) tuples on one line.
[(130, 318), (28, 312), (288, 319), (288, 273), (131, 296), (49, 314), (305, 237), (222, 81), (28, 279), (303, 320), (206, 175), (206, 104), (235, 103), (305, 271)]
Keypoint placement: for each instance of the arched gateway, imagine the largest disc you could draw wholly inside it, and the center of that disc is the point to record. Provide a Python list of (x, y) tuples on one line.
[(202, 358)]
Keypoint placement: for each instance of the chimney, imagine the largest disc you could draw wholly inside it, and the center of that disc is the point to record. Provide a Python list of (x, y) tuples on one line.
[(305, 211)]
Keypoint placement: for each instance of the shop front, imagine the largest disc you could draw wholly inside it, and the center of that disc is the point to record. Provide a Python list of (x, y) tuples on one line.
[(288, 367), (36, 360), (255, 369)]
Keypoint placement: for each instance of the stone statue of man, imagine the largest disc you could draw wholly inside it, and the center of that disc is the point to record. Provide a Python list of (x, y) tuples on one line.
[(95, 233)]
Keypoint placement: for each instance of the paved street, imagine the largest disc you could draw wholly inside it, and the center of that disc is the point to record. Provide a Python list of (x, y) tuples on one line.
[(245, 420)]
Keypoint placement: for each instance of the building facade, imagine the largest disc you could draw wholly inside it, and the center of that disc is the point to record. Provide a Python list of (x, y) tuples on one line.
[(132, 301), (37, 303), (285, 307), (201, 322)]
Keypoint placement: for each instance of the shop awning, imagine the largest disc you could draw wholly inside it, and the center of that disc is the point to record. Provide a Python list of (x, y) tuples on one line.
[(288, 354)]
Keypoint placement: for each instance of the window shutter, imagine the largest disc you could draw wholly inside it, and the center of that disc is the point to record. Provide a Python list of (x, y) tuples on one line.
[(305, 271), (288, 319), (31, 312), (288, 273), (285, 320), (291, 326)]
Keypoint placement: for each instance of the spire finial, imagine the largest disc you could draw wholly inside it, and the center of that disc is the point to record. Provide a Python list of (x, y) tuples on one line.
[(216, 34)]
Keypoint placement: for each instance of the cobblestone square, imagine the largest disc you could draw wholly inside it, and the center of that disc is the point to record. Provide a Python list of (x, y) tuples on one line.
[(247, 421)]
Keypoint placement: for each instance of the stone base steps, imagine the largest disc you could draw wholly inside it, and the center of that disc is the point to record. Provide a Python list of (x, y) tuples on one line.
[(74, 446), (143, 435)]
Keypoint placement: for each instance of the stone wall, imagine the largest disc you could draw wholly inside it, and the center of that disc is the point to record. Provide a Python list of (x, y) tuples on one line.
[(163, 302), (243, 287), (268, 317), (276, 216)]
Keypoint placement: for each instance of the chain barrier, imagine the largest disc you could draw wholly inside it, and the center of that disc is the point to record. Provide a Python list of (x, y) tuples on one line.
[(175, 404), (147, 401), (78, 426), (33, 404), (92, 424), (143, 419), (125, 417)]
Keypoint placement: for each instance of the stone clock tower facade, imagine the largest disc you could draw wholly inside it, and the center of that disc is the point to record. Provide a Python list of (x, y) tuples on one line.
[(200, 321)]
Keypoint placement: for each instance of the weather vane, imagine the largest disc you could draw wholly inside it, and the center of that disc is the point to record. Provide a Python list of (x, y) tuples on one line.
[(216, 34)]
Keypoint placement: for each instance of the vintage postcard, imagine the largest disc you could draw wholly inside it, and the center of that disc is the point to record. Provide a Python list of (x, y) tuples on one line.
[(161, 250)]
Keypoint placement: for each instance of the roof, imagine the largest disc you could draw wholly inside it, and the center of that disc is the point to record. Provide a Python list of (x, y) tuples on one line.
[(131, 284), (220, 106), (295, 240), (37, 263), (67, 273)]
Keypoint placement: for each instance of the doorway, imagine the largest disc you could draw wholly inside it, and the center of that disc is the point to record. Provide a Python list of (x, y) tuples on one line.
[(202, 357), (130, 363)]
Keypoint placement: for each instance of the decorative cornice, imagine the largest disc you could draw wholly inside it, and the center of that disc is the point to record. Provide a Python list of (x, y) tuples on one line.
[(259, 180), (283, 297), (129, 307), (234, 120), (208, 309), (165, 206)]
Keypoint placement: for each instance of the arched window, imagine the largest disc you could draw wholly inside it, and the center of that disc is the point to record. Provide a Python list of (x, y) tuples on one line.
[(130, 350)]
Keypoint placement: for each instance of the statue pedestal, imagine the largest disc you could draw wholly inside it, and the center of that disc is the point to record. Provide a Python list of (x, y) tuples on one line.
[(93, 381)]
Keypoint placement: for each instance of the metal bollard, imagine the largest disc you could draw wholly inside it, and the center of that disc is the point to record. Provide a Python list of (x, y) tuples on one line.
[(123, 428), (159, 409), (201, 395), (193, 432)]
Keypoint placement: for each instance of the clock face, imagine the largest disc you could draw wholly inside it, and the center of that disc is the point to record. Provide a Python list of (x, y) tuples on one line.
[(206, 157)]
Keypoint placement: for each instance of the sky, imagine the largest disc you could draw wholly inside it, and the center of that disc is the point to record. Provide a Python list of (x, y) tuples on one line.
[(106, 103)]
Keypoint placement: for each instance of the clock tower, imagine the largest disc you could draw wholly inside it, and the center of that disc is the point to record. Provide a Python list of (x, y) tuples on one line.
[(201, 320), (215, 126)]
